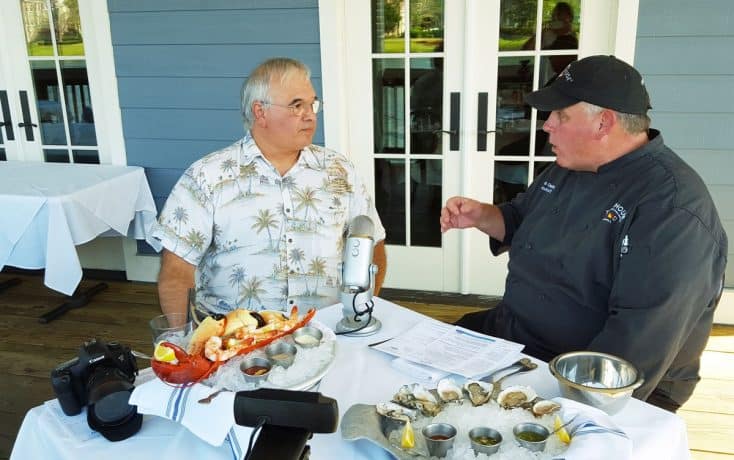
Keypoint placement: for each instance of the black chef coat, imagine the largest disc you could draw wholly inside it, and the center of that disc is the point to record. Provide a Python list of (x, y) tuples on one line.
[(627, 260)]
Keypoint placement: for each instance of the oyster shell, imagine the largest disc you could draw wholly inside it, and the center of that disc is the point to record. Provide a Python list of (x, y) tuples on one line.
[(515, 396), (415, 396), (395, 411), (544, 407), (479, 392), (448, 390)]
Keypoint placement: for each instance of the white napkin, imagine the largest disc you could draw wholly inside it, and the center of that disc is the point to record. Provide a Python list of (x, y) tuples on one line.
[(593, 434), (213, 422)]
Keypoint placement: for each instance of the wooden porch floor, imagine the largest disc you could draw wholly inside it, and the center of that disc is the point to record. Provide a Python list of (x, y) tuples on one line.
[(30, 350)]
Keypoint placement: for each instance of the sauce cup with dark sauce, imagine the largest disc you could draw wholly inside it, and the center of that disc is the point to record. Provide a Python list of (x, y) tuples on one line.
[(256, 370), (439, 438)]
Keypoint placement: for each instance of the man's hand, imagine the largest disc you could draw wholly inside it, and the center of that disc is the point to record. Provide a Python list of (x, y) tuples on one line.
[(461, 212)]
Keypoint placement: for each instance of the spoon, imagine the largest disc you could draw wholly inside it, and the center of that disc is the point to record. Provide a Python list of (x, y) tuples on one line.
[(209, 398), (527, 366)]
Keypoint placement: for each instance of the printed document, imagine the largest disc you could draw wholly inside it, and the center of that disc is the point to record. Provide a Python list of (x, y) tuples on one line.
[(452, 349)]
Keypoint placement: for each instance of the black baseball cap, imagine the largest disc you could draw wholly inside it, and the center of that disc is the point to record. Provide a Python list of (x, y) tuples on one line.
[(600, 80)]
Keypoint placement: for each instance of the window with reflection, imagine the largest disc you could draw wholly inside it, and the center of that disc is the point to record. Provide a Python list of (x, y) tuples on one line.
[(537, 40), (407, 75), (55, 42)]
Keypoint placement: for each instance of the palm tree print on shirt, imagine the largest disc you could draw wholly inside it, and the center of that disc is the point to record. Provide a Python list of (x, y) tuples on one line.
[(180, 216), (306, 199), (317, 268), (237, 279), (249, 171), (253, 290), (265, 221)]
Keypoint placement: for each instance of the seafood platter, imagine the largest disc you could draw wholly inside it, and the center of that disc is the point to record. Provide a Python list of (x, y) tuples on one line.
[(483, 422), (244, 350)]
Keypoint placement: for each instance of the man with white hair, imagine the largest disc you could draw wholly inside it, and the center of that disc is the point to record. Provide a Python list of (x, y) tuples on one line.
[(615, 248), (260, 224)]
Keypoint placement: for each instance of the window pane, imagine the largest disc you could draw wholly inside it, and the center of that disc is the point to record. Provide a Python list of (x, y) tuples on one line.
[(426, 105), (388, 26), (541, 166), (426, 26), (56, 155), (68, 27), (37, 27), (2, 155), (425, 203), (86, 156), (390, 198), (389, 105), (510, 178), (514, 81), (560, 25), (48, 99), (517, 24), (78, 103)]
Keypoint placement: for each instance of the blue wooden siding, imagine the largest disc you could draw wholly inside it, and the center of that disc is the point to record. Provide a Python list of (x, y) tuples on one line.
[(684, 52), (180, 65)]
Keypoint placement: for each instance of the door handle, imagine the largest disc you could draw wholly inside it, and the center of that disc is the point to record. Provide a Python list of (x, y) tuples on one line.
[(27, 123), (482, 132), (454, 110), (7, 119), (453, 131)]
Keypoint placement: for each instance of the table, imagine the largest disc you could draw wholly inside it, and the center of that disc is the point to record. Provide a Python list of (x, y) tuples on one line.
[(359, 375), (50, 208)]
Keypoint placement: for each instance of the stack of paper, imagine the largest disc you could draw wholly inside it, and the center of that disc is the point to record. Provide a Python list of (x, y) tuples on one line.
[(451, 349)]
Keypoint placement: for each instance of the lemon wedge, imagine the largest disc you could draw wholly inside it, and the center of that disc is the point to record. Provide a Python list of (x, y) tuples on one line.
[(407, 440), (562, 433), (164, 354)]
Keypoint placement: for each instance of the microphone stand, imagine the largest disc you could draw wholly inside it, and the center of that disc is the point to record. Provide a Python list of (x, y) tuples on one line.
[(351, 297), (287, 419)]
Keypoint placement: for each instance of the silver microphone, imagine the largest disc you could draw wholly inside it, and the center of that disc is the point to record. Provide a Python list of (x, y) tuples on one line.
[(357, 279)]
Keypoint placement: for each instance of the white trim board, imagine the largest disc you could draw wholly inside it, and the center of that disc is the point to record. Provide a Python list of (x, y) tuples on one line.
[(725, 311)]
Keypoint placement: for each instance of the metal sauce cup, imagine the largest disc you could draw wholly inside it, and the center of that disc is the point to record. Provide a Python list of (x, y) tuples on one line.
[(308, 337), (485, 440), (281, 353), (439, 438), (531, 436), (256, 369)]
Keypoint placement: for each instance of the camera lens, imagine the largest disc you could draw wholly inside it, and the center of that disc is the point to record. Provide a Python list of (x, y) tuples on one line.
[(114, 407)]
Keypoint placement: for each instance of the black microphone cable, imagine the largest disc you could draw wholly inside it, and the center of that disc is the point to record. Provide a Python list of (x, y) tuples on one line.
[(370, 306)]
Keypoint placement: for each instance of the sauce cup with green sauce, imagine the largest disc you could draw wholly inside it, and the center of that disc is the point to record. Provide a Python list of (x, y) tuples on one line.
[(485, 440), (531, 436)]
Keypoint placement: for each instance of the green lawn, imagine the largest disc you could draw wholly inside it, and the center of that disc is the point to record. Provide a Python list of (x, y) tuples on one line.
[(65, 49)]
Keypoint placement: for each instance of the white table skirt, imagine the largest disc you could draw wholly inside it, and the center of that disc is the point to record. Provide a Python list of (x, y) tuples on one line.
[(50, 208), (359, 375)]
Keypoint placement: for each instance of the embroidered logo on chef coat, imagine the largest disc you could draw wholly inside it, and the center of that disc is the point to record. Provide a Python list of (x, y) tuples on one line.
[(547, 187), (616, 213)]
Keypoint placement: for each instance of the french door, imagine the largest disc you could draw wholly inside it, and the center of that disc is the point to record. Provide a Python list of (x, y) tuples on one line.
[(56, 100), (434, 107)]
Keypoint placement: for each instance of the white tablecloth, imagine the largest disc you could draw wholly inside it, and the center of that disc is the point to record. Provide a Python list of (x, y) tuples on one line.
[(49, 208), (359, 375)]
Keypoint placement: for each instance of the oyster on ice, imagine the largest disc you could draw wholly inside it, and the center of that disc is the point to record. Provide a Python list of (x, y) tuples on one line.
[(448, 390), (544, 407), (515, 396), (415, 396), (479, 392), (395, 411)]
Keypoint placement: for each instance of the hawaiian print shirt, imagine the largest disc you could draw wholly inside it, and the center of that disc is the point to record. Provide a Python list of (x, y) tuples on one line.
[(260, 240)]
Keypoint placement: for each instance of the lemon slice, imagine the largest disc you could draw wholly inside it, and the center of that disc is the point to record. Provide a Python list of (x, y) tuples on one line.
[(562, 433), (407, 440), (164, 354)]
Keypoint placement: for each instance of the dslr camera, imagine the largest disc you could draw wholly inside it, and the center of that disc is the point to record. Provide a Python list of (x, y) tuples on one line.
[(100, 378)]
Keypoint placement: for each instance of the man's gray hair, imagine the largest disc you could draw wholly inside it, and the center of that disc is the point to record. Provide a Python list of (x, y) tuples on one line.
[(257, 85), (632, 123)]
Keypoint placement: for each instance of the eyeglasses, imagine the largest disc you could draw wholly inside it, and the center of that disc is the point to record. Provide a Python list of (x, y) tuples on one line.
[(298, 108)]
